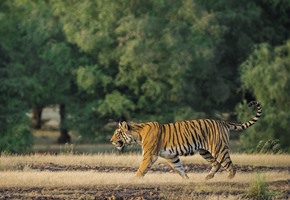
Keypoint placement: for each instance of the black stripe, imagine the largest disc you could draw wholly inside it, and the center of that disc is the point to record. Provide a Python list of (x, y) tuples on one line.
[(204, 153), (195, 133), (167, 132), (203, 139), (193, 139), (177, 139), (227, 164), (201, 129), (186, 128), (224, 151), (183, 137), (176, 161)]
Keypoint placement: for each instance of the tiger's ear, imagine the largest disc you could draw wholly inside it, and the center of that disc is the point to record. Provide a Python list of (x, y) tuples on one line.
[(123, 126)]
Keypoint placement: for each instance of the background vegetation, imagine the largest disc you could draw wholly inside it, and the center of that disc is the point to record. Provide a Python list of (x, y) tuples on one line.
[(104, 61)]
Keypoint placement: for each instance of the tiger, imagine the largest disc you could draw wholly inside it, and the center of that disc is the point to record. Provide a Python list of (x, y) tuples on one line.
[(208, 137)]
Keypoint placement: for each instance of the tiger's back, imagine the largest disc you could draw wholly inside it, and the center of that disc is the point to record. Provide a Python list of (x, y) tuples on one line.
[(187, 137)]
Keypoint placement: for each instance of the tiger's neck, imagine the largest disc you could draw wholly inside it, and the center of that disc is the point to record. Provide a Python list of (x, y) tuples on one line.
[(135, 130), (150, 131)]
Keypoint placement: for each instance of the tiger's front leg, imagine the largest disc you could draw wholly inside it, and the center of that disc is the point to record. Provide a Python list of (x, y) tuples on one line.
[(147, 162)]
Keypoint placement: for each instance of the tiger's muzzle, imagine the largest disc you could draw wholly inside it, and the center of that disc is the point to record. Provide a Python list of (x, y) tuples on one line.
[(119, 144)]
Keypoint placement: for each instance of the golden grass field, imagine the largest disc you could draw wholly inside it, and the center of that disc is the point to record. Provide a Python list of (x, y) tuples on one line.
[(111, 176)]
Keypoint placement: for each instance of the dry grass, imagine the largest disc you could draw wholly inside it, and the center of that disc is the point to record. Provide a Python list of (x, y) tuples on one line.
[(267, 160), (10, 162), (14, 162), (91, 178), (19, 178), (282, 160)]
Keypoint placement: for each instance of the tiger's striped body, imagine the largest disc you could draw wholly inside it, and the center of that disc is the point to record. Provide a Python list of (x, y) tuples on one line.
[(210, 138)]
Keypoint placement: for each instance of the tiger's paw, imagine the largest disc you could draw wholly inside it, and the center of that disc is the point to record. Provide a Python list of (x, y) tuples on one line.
[(135, 179), (182, 174), (185, 176), (209, 176), (232, 174), (138, 177)]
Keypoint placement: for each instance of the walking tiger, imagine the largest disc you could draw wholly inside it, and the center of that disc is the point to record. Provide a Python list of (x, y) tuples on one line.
[(210, 138)]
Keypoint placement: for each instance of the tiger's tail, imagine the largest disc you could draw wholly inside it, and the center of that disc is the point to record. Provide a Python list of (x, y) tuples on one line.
[(240, 127)]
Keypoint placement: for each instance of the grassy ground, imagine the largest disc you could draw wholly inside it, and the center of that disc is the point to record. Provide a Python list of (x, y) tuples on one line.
[(80, 177), (32, 178)]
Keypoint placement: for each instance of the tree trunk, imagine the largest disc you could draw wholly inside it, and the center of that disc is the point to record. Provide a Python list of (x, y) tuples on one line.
[(64, 136), (36, 115)]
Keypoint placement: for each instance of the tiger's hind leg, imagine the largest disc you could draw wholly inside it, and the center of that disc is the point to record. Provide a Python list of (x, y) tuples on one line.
[(227, 163), (176, 165), (214, 163)]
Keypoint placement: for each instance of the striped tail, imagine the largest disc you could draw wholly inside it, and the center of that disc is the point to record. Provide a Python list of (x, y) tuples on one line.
[(240, 127)]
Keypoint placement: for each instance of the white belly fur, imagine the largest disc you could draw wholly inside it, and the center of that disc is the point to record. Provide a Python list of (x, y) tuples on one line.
[(174, 152)]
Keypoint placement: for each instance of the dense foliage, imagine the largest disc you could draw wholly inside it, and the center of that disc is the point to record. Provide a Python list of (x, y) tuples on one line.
[(106, 61)]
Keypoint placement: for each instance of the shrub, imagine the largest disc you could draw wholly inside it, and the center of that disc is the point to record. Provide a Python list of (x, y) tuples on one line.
[(16, 138), (258, 189)]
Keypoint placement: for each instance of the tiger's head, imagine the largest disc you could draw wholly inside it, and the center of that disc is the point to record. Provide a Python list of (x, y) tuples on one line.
[(122, 136)]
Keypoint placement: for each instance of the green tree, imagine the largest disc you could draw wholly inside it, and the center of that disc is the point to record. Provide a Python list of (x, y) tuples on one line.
[(165, 56), (244, 24), (145, 60), (266, 74), (15, 134), (46, 59), (150, 49)]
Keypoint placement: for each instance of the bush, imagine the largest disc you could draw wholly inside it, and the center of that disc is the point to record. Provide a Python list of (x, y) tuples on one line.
[(16, 138), (258, 189)]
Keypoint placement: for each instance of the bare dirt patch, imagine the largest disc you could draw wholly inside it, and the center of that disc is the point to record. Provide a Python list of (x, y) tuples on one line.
[(196, 168), (112, 192)]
